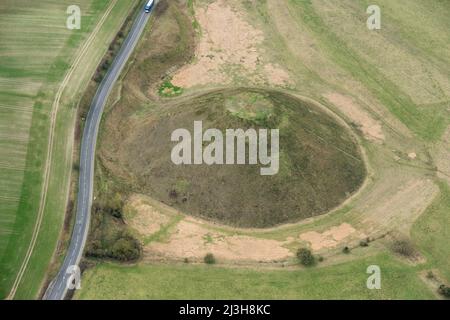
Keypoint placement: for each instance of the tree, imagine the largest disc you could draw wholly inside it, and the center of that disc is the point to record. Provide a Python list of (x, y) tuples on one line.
[(306, 257), (125, 249), (115, 206), (404, 247), (444, 290), (209, 258)]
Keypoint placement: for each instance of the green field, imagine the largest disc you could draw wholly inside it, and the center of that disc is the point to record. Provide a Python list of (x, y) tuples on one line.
[(344, 281), (36, 52), (381, 62), (431, 232)]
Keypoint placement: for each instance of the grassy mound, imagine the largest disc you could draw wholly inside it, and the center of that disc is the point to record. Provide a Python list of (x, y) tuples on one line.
[(320, 164)]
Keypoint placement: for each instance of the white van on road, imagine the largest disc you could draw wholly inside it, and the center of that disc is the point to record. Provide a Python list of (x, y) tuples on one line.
[(149, 6)]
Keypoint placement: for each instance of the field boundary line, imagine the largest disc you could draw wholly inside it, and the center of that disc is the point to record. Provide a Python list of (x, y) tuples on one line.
[(54, 112)]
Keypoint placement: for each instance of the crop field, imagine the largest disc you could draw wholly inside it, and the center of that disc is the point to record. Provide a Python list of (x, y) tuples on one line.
[(36, 52), (24, 69)]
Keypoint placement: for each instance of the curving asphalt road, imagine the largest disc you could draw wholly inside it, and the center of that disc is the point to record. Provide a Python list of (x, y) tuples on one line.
[(57, 289)]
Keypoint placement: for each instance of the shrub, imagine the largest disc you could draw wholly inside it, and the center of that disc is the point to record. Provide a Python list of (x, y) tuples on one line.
[(173, 193), (364, 243), (105, 65), (161, 7), (167, 89), (109, 238), (403, 247), (125, 249), (209, 258), (305, 257), (98, 77), (346, 250), (114, 206), (444, 290)]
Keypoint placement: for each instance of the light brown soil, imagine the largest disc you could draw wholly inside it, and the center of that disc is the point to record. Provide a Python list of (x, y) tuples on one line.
[(277, 75), (193, 241), (227, 43), (412, 155), (146, 218), (332, 237), (191, 238), (370, 127)]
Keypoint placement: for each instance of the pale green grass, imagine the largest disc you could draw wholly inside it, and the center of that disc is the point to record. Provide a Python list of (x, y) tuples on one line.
[(26, 55), (343, 281), (387, 62), (32, 35), (432, 232)]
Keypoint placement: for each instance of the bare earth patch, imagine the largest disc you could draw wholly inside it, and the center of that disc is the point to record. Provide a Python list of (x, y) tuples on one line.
[(193, 241), (370, 127), (191, 238), (146, 218), (228, 45), (412, 155), (332, 237), (277, 75)]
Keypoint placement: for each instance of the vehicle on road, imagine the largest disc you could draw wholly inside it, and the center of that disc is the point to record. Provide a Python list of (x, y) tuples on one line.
[(149, 6)]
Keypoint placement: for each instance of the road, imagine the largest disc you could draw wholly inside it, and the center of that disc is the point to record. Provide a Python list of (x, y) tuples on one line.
[(57, 289)]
